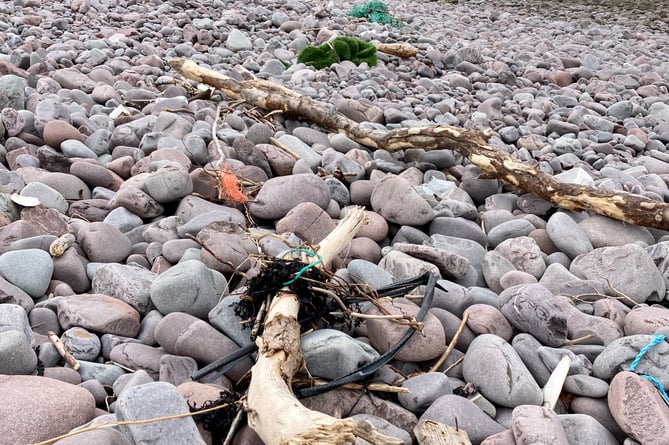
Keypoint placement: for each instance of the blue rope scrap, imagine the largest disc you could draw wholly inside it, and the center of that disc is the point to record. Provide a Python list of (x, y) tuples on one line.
[(657, 340)]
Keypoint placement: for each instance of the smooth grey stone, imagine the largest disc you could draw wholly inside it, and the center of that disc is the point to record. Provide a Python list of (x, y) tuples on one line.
[(567, 235), (30, 270), (110, 341), (174, 249), (469, 249), (458, 228), (424, 389), (338, 191), (363, 271), (157, 399), (561, 127), (628, 269), (603, 231), (408, 234), (189, 287), (238, 41), (394, 198), (560, 281), (619, 354), (580, 364), (102, 372), (43, 320), (509, 229), (123, 219), (402, 266), (16, 354), (73, 148), (281, 194), (558, 258), (598, 123), (48, 354), (131, 380), (12, 92), (495, 266), (161, 231), (582, 429), (168, 183), (451, 297), (224, 318), (176, 369), (10, 294), (586, 386), (482, 295), (14, 318), (197, 223), (302, 150), (147, 327), (531, 308), (527, 348), (567, 145), (456, 208), (47, 196), (499, 373), (330, 353), (83, 345), (458, 411), (129, 283)]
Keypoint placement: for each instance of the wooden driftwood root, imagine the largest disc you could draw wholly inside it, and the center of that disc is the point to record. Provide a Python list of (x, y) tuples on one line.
[(472, 144), (273, 410)]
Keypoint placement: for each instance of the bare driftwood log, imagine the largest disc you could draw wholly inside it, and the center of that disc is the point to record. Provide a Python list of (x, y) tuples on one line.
[(273, 410), (472, 144)]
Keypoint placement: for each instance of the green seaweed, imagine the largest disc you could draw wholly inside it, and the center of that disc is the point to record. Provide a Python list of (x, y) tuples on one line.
[(336, 50)]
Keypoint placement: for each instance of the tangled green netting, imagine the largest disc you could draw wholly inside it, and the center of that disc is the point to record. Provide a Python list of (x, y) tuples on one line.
[(374, 11), (336, 50)]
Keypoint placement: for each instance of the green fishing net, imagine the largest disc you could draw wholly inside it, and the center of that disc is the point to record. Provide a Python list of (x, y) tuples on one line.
[(336, 50), (374, 11)]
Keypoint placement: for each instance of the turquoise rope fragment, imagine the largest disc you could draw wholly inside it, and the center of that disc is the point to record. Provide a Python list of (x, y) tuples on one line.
[(659, 387), (657, 340), (305, 268)]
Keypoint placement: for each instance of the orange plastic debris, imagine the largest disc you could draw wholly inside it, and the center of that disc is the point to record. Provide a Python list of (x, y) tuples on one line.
[(229, 187)]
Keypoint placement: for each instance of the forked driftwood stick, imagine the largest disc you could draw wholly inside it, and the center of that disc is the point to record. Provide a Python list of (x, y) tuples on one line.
[(472, 144), (274, 412), (62, 350)]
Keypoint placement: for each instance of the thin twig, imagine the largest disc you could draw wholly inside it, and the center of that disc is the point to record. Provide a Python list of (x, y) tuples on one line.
[(451, 345), (575, 341), (130, 422)]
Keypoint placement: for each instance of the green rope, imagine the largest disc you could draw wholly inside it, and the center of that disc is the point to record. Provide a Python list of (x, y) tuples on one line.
[(374, 11), (305, 268)]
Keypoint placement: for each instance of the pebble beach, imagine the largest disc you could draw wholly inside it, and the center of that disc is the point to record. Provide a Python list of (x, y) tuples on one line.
[(136, 205)]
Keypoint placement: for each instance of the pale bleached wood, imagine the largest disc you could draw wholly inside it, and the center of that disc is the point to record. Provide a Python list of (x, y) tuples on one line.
[(274, 412), (472, 144)]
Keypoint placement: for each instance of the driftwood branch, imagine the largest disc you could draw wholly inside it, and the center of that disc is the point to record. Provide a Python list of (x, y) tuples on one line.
[(273, 410), (472, 144)]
